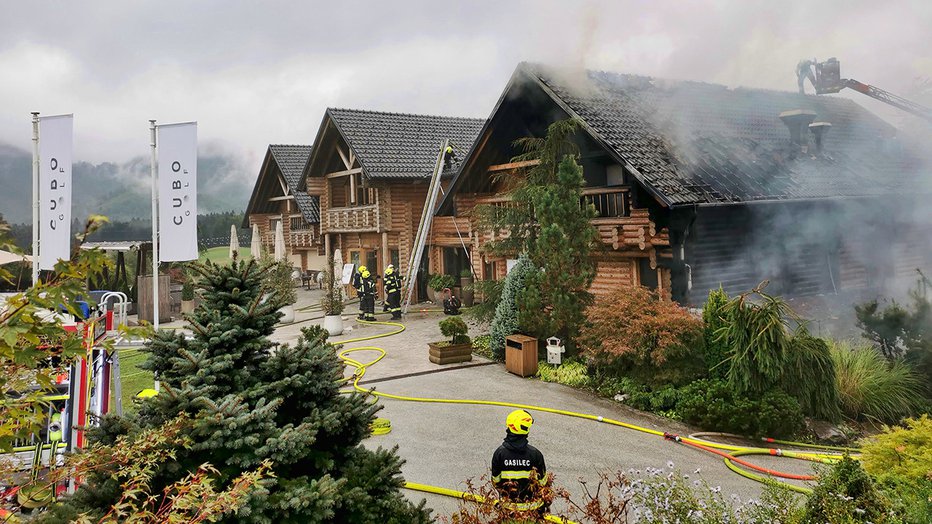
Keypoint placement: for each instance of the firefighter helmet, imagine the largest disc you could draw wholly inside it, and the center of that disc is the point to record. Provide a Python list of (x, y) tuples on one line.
[(519, 422), (365, 273), (390, 269), (362, 269)]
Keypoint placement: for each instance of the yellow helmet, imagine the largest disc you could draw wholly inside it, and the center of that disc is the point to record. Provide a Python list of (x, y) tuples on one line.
[(390, 269), (519, 422), (362, 269), (365, 273)]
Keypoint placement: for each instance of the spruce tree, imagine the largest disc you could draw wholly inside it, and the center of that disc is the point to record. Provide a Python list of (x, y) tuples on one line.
[(250, 401), (505, 321)]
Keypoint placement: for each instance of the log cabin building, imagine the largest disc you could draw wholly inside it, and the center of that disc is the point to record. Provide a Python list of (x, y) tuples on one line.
[(371, 172), (699, 185), (276, 198)]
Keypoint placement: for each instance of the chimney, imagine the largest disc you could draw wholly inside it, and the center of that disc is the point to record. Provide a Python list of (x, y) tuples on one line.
[(818, 131), (797, 120)]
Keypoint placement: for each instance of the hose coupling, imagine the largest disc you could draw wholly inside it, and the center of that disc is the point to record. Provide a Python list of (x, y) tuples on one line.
[(672, 436)]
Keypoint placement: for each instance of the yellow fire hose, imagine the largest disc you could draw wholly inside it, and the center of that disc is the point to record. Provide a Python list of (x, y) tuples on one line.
[(728, 452)]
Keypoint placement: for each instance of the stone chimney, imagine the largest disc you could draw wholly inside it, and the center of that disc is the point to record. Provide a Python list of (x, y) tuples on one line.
[(818, 130), (797, 121)]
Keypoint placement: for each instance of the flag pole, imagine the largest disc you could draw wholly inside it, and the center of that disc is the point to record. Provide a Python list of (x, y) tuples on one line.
[(155, 227), (35, 198)]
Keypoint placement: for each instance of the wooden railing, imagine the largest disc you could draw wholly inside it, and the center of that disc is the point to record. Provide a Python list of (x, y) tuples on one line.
[(299, 224), (302, 238), (609, 202), (350, 219)]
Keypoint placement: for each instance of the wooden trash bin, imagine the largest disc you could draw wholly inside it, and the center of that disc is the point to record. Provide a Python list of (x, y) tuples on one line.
[(521, 355)]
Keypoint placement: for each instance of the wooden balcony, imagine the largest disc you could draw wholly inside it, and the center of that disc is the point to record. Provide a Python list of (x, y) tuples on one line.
[(352, 219), (609, 202), (301, 239)]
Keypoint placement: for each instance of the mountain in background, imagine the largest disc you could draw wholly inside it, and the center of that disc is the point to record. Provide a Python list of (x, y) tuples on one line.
[(123, 191)]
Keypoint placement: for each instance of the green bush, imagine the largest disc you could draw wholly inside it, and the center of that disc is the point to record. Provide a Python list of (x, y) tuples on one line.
[(713, 405), (847, 494), (764, 354), (716, 350), (456, 329), (901, 452), (505, 321), (570, 373), (480, 346), (870, 387), (440, 282)]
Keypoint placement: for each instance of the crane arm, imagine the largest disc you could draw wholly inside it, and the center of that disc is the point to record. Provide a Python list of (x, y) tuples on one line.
[(889, 98)]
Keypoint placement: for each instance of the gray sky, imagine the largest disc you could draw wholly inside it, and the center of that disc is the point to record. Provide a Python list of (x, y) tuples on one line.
[(254, 73)]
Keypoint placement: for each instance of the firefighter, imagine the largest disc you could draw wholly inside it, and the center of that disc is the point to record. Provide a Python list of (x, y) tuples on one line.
[(393, 292), (356, 282), (449, 157), (513, 462), (367, 295)]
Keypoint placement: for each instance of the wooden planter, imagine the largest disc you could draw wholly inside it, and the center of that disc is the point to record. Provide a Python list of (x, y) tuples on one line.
[(449, 354)]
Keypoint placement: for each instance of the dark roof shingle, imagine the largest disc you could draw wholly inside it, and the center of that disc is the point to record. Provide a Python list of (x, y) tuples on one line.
[(694, 142), (399, 145), (291, 160)]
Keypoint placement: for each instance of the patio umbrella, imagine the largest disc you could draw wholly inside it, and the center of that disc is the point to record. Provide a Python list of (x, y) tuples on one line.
[(255, 248), (234, 242), (337, 264), (7, 258), (279, 241)]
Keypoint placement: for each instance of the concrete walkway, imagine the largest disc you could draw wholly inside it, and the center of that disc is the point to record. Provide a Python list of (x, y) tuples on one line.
[(445, 444)]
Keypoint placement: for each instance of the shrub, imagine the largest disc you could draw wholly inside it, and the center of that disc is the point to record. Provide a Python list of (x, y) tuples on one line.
[(643, 336), (440, 282), (456, 329), (870, 387), (765, 354), (571, 373), (505, 321), (713, 405), (187, 289), (716, 351), (278, 280), (846, 493), (331, 302), (903, 453)]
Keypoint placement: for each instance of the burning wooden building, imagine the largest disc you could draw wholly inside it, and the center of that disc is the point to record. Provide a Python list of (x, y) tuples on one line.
[(699, 185)]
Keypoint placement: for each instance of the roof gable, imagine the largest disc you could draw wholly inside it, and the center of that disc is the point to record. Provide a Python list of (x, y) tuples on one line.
[(286, 162), (399, 145)]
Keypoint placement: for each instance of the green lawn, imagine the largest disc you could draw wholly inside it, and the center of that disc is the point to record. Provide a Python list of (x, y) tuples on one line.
[(133, 379), (222, 254)]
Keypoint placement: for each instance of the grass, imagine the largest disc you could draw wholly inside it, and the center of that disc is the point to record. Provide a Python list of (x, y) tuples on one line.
[(133, 378), (871, 388), (571, 373), (222, 253)]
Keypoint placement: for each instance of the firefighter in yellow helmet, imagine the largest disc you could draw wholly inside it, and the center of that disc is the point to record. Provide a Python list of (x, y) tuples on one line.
[(356, 282), (513, 463), (393, 292), (367, 291)]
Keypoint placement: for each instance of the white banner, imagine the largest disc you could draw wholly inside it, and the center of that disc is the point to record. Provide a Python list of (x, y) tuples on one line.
[(177, 157), (55, 148)]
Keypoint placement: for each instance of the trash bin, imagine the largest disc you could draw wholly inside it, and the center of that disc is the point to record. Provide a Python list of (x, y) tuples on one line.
[(521, 355)]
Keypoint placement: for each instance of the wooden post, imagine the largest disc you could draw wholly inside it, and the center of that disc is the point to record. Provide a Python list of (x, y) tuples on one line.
[(327, 245)]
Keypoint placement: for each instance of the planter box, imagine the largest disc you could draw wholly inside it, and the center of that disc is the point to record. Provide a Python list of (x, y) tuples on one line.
[(449, 354)]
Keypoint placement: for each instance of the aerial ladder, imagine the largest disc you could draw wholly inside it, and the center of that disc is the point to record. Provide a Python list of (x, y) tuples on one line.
[(826, 78)]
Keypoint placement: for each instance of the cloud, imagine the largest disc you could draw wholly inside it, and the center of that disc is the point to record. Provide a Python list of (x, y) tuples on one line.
[(258, 73)]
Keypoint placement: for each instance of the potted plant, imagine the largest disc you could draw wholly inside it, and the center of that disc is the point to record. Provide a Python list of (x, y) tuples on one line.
[(466, 283), (187, 295), (332, 300), (278, 282), (437, 283), (457, 349)]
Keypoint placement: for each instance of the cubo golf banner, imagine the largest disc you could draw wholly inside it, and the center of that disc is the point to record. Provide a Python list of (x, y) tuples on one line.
[(177, 161), (55, 148)]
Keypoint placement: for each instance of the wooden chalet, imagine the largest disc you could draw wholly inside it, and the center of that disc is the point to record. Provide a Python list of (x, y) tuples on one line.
[(276, 198), (371, 171), (699, 185)]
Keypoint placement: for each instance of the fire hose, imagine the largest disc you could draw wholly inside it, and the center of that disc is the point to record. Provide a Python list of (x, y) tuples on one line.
[(728, 452)]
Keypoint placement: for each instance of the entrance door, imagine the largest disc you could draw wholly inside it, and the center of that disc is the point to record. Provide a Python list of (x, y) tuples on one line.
[(367, 257)]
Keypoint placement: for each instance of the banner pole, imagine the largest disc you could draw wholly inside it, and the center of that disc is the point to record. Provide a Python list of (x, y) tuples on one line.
[(155, 227), (35, 198)]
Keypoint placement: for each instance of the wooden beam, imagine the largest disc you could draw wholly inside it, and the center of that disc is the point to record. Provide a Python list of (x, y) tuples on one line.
[(513, 165), (336, 174), (277, 199), (346, 162)]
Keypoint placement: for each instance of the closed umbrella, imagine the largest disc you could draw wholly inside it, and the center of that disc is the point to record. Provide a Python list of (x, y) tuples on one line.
[(255, 247), (279, 242), (234, 242)]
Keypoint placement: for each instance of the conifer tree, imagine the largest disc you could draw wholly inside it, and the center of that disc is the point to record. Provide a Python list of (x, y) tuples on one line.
[(249, 402)]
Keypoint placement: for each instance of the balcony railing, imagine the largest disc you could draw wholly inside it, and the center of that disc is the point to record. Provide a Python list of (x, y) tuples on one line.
[(609, 202), (302, 238), (350, 219)]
